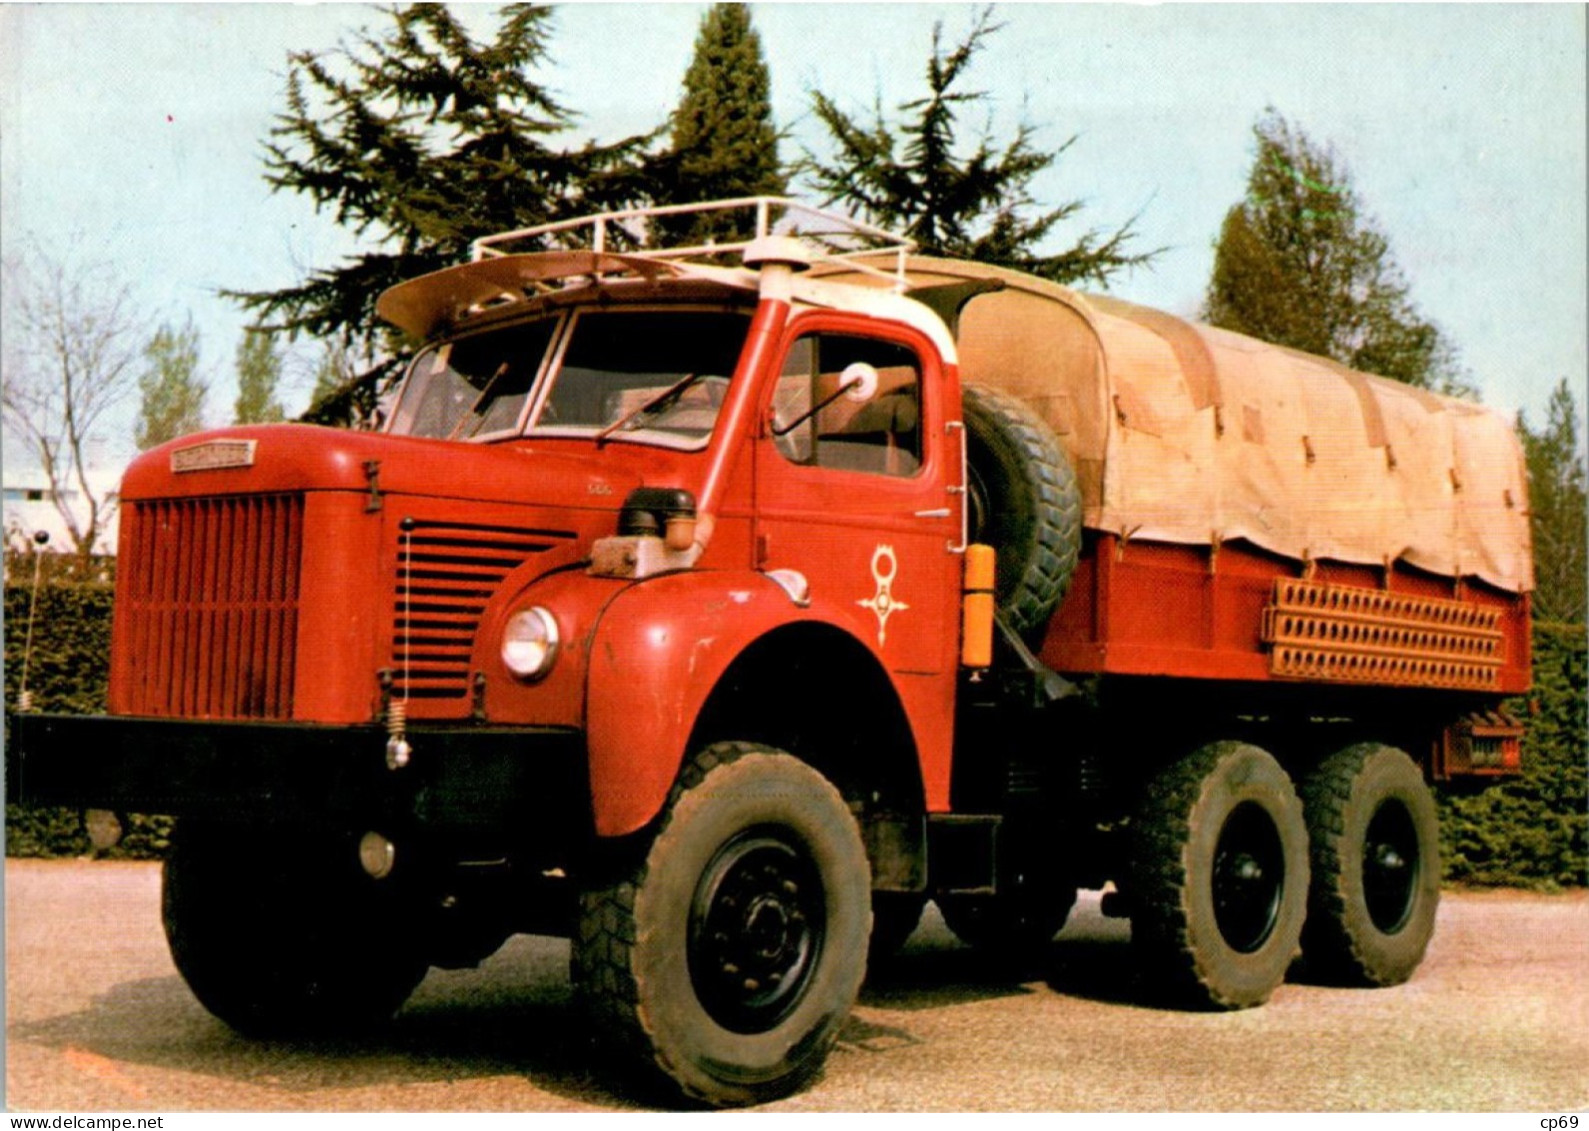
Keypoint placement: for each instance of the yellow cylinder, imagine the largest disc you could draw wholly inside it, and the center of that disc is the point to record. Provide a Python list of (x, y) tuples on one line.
[(976, 625)]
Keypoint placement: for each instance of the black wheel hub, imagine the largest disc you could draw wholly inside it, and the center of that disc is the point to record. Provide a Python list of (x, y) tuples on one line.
[(1248, 878), (756, 929), (1390, 866)]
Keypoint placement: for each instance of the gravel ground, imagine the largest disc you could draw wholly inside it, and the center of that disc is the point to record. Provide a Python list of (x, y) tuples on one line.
[(1496, 1020)]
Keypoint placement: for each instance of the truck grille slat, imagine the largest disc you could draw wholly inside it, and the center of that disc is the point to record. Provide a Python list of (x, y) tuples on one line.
[(210, 606), (446, 572)]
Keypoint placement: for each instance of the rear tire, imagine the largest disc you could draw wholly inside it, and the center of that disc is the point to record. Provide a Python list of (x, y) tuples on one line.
[(1219, 877), (729, 958), (1024, 502), (1375, 842), (282, 934)]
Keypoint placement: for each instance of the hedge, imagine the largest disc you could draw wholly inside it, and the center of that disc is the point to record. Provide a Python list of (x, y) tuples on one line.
[(1529, 831), (68, 671), (1532, 830)]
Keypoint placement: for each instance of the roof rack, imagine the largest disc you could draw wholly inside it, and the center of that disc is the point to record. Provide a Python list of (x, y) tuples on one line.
[(829, 236)]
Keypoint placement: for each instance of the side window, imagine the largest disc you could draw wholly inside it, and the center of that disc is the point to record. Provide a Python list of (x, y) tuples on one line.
[(817, 422)]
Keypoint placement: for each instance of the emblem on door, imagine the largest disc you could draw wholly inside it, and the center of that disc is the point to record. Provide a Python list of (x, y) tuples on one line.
[(883, 602)]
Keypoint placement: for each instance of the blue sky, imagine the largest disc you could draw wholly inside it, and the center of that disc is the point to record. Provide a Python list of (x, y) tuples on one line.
[(132, 135)]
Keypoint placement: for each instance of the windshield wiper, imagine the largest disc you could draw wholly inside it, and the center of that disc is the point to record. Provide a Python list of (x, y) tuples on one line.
[(661, 400), (480, 402)]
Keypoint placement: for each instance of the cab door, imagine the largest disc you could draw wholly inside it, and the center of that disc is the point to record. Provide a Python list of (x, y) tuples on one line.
[(852, 476)]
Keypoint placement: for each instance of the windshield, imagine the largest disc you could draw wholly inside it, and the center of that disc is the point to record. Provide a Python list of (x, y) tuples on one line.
[(646, 374), (657, 375), (476, 386)]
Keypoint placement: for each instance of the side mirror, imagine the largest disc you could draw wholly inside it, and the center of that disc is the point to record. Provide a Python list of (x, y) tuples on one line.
[(859, 382)]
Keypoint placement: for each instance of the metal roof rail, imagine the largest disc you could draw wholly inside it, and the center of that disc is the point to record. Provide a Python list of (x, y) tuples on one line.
[(830, 236)]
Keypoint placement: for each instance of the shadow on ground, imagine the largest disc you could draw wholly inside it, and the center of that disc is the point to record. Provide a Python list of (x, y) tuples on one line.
[(513, 1016), (1090, 959)]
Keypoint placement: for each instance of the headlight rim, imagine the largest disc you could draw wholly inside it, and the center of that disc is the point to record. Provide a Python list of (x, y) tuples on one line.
[(551, 643)]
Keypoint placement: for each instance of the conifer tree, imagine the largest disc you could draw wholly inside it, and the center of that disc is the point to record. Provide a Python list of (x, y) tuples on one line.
[(172, 393), (1299, 264), (1559, 509), (916, 176), (419, 140), (723, 141), (258, 375)]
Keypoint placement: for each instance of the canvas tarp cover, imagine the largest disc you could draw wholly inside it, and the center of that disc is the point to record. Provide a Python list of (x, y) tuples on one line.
[(1189, 434)]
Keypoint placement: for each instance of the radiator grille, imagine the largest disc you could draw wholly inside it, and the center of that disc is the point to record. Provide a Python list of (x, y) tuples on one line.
[(446, 572), (208, 606), (1343, 634)]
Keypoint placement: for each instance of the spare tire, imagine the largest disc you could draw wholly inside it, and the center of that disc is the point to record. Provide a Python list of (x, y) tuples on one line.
[(1024, 502)]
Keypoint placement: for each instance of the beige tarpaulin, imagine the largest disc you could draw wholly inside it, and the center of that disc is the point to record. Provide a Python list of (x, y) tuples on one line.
[(1185, 433)]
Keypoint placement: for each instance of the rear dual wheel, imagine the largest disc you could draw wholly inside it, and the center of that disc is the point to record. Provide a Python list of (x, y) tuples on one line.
[(1219, 877), (1376, 867)]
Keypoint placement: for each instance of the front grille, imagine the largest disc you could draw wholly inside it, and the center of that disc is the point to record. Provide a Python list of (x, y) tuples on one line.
[(446, 572), (207, 606)]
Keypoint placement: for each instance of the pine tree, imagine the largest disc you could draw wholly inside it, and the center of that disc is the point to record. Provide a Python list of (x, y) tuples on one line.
[(1299, 264), (172, 392), (1559, 509), (258, 375), (420, 140), (723, 142), (915, 176)]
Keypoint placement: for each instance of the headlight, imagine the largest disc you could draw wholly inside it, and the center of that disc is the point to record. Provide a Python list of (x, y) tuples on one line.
[(529, 643)]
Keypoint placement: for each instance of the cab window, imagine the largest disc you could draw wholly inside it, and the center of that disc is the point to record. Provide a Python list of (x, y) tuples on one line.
[(819, 422)]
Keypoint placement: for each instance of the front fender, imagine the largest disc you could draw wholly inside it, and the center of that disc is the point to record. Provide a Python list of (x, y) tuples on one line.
[(657, 653)]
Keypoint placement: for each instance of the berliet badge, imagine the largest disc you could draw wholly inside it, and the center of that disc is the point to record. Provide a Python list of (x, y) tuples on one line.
[(884, 566), (213, 455)]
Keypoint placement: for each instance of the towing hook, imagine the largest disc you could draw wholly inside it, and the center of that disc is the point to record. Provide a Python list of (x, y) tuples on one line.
[(398, 752)]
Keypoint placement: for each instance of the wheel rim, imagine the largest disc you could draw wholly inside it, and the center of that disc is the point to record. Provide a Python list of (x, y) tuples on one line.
[(1248, 877), (1391, 864), (757, 925)]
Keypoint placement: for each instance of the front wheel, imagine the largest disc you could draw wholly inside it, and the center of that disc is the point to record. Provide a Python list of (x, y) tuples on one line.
[(1376, 867), (1219, 876), (281, 934), (729, 958)]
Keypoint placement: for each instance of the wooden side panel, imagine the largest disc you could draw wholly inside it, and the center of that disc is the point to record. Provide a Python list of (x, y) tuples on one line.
[(1145, 608)]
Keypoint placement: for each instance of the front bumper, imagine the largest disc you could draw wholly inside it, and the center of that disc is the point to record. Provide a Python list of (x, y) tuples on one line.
[(518, 779)]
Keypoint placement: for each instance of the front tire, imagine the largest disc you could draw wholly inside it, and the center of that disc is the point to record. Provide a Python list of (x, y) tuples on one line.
[(282, 934), (730, 957), (1219, 877), (1376, 867)]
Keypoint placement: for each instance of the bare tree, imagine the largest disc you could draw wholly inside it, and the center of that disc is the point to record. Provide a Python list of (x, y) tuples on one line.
[(72, 345)]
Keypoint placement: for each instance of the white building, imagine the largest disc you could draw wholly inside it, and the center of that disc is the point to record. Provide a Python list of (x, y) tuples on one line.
[(30, 507)]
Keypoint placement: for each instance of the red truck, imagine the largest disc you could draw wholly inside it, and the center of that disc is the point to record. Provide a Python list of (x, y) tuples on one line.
[(717, 607)]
